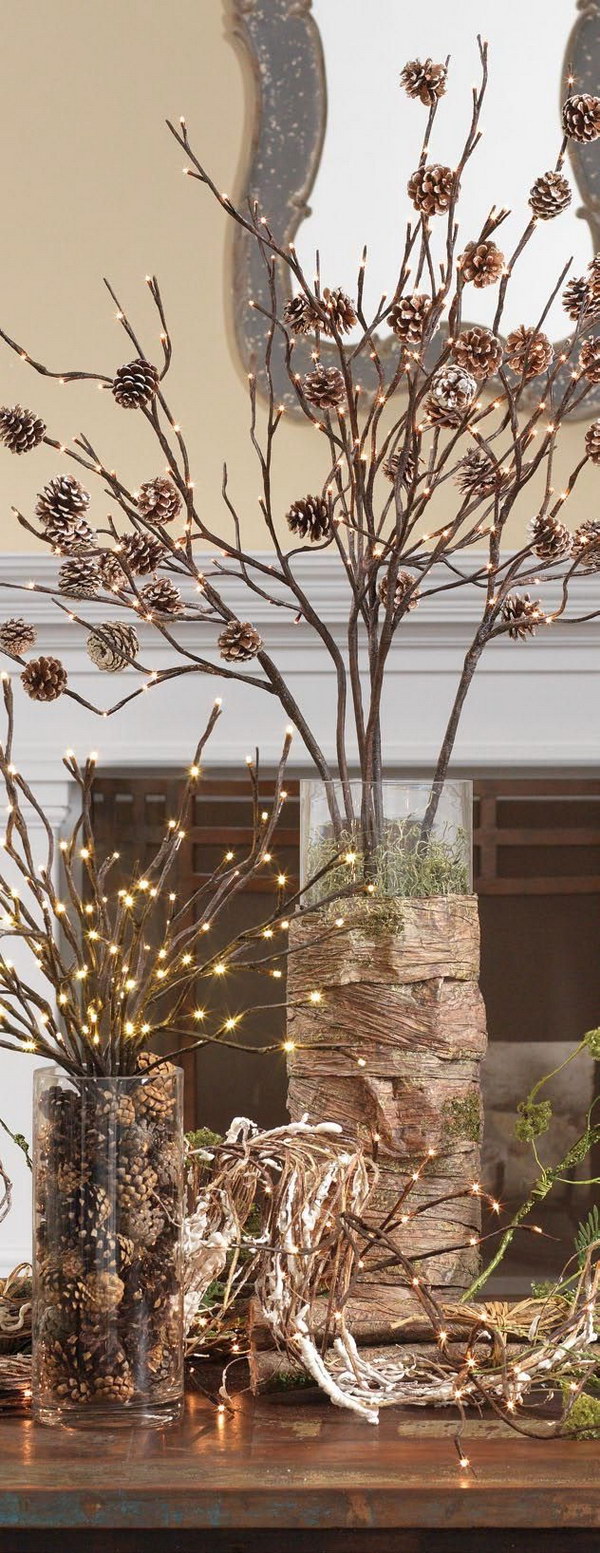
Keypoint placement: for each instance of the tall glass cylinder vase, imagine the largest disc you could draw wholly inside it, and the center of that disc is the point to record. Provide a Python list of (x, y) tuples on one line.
[(108, 1219), (386, 1023)]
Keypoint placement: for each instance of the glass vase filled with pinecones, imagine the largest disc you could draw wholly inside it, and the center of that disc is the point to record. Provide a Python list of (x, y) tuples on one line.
[(108, 1218)]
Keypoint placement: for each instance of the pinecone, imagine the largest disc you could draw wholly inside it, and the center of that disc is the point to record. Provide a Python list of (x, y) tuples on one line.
[(578, 300), (594, 275), (68, 536), (154, 1096), (586, 545), (528, 352), (549, 195), (478, 351), (340, 309), (409, 466), (452, 392), (404, 581), (114, 1385), (324, 388), (136, 1183), (112, 645), (20, 430), (111, 571), (522, 615), (17, 636), (168, 1164), (310, 517), (481, 263), (158, 500), (589, 360), (410, 316), (80, 577), (142, 553), (144, 1223), (239, 642), (592, 448), (103, 1292), (431, 189), (581, 117), (551, 540), (63, 497), (44, 679), (423, 79), (300, 315), (125, 1111), (478, 475), (135, 384), (161, 597)]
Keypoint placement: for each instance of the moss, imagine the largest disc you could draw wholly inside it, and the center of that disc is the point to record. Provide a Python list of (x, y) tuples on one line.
[(584, 1418), (204, 1138), (400, 866), (462, 1118), (290, 1380)]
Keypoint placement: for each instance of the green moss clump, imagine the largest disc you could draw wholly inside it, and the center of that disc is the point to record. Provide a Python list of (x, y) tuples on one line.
[(400, 866), (204, 1138), (462, 1118), (290, 1380), (584, 1418)]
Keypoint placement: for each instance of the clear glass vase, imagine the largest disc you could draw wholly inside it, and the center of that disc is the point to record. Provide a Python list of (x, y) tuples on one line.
[(399, 838), (108, 1220)]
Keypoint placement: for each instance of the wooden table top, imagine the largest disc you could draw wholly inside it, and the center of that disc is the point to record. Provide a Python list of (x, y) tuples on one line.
[(277, 1462)]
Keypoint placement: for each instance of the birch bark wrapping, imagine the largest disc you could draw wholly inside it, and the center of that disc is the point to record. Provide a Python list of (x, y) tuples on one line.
[(393, 1050)]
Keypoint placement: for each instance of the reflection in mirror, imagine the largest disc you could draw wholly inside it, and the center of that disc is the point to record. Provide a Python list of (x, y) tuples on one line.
[(374, 131)]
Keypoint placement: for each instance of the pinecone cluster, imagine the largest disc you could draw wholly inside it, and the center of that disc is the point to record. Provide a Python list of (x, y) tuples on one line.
[(478, 351), (44, 679), (478, 475), (161, 597), (112, 646), (16, 636), (585, 546), (581, 117), (410, 316), (324, 388), (452, 393), (551, 539), (424, 80), (403, 584), (134, 385), (522, 615), (549, 196), (481, 264), (159, 500), (20, 430), (431, 189), (528, 352), (107, 1243), (310, 518), (239, 642)]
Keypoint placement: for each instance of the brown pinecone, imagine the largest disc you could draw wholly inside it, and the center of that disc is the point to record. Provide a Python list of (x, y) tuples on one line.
[(431, 189), (161, 597), (310, 517), (158, 500), (20, 430), (153, 1098), (68, 536), (423, 79), (522, 615), (340, 309), (410, 316), (589, 360), (550, 194), (478, 351), (44, 679), (452, 392), (577, 299), (125, 1251), (586, 545), (80, 577), (104, 1291), (112, 646), (551, 540), (581, 117), (111, 571), (300, 315), (142, 553), (324, 388), (63, 497), (114, 1385), (17, 636), (481, 263), (528, 352), (239, 641), (593, 275), (404, 581), (135, 384), (168, 1164), (145, 1222), (478, 475), (592, 446), (125, 1111), (409, 466), (136, 1183)]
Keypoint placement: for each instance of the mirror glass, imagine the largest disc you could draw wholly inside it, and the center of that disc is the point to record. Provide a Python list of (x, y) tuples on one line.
[(374, 134)]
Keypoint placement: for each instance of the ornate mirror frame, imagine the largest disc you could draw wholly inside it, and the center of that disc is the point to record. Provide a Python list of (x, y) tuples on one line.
[(281, 40)]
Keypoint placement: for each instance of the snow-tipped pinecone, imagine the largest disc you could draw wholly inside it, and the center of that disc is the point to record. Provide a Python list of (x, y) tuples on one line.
[(586, 545), (135, 384), (550, 194), (68, 536), (404, 582), (593, 275), (44, 679), (112, 646), (300, 315), (423, 79), (392, 464), (528, 352), (592, 444), (310, 518), (158, 500), (340, 309), (551, 540), (63, 497), (478, 351), (324, 388), (17, 636), (581, 117), (589, 360), (452, 392), (104, 1291), (142, 553), (20, 430), (522, 615), (410, 316), (111, 571), (482, 264), (577, 299), (161, 597), (431, 189), (239, 642), (80, 577), (478, 475)]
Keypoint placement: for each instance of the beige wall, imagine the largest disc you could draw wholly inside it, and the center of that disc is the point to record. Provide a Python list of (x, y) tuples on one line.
[(92, 186)]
